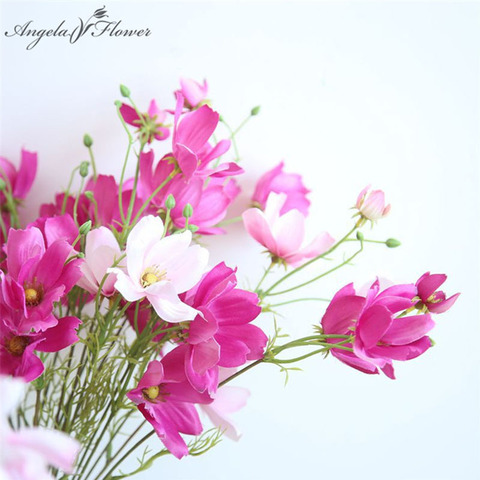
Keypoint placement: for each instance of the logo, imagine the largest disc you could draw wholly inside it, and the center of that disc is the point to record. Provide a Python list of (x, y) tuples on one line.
[(97, 25)]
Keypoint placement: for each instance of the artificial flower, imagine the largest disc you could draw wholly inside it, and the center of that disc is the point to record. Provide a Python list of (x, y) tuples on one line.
[(435, 301)]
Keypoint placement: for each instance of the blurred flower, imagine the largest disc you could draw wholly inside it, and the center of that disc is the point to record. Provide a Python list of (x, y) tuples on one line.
[(378, 334), (159, 268), (193, 92), (435, 301), (371, 204), (27, 453), (283, 235), (18, 183), (150, 125), (276, 180)]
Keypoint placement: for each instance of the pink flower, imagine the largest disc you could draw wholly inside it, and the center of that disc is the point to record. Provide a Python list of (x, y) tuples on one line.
[(27, 453), (166, 399), (222, 333), (283, 235), (18, 342), (38, 275), (101, 252), (61, 227), (277, 181), (19, 182), (435, 301), (159, 268), (371, 204), (378, 334), (193, 92), (150, 125), (227, 400)]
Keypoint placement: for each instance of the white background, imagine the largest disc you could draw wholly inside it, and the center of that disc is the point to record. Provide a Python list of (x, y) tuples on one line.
[(351, 94)]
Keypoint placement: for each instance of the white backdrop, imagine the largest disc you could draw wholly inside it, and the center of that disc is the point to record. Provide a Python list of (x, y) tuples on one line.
[(351, 94)]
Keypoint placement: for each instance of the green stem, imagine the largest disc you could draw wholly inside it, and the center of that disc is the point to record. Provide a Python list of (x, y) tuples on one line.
[(240, 372), (306, 264), (92, 161), (298, 300), (264, 276)]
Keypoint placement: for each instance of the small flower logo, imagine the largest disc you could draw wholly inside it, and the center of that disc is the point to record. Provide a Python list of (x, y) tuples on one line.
[(100, 13)]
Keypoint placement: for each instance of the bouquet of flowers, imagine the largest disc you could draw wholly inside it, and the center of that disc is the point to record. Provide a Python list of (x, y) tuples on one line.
[(114, 327)]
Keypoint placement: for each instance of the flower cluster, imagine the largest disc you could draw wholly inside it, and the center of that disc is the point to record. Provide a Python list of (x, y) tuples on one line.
[(118, 272)]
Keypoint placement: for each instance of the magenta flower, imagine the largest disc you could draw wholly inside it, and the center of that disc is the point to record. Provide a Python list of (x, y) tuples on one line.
[(277, 181), (27, 453), (222, 333), (435, 301), (159, 268), (61, 227), (101, 252), (283, 235), (371, 204), (166, 399), (38, 275), (19, 182), (193, 92), (150, 125), (378, 334), (18, 342)]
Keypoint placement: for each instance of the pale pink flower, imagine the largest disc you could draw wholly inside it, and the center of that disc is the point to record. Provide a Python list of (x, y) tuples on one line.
[(194, 92), (159, 268), (101, 252), (227, 400), (283, 235), (27, 453), (276, 180), (371, 204)]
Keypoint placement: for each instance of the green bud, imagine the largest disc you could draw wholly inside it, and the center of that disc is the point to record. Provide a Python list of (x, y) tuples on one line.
[(392, 243), (187, 211), (39, 383), (85, 228), (125, 91), (255, 111), (170, 202), (360, 236), (89, 195), (220, 119), (80, 255), (87, 140), (84, 169), (193, 228), (3, 185), (118, 103)]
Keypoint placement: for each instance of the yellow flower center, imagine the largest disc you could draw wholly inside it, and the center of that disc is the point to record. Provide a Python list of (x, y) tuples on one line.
[(32, 297), (151, 392), (152, 275), (17, 345), (149, 279)]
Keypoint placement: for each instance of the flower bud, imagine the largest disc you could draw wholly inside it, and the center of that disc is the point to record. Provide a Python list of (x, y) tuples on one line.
[(170, 202), (255, 111), (84, 169), (85, 228), (89, 195), (392, 243), (125, 91), (87, 140), (193, 228), (3, 185), (187, 211), (360, 236)]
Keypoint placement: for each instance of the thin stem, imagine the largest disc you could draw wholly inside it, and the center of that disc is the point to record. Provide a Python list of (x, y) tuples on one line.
[(92, 161), (240, 372), (298, 300), (264, 276)]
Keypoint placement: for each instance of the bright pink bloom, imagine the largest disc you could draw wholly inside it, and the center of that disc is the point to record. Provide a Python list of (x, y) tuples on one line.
[(19, 182), (38, 275), (27, 453), (222, 333), (101, 252), (159, 268), (166, 399), (371, 204), (227, 400), (435, 301), (18, 342), (61, 227), (379, 335), (283, 235), (193, 92), (150, 125), (277, 181)]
